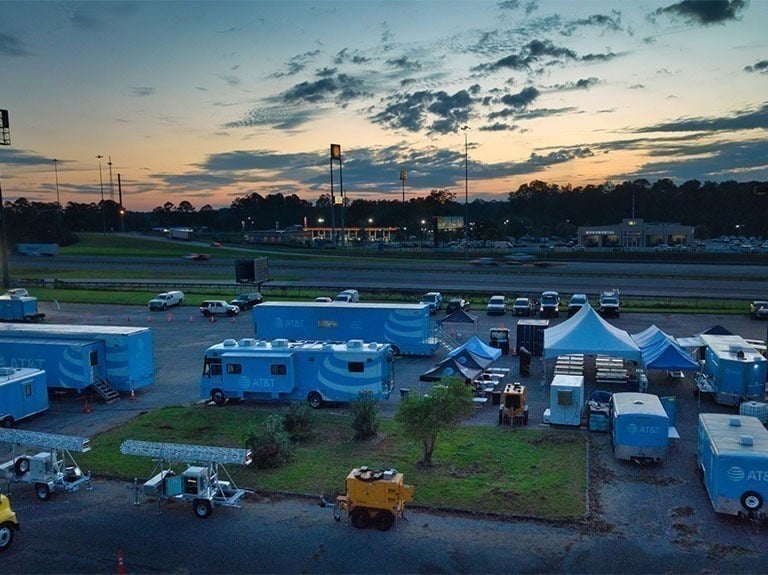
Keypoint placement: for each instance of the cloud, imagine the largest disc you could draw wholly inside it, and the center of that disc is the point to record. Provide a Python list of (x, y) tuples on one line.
[(297, 64), (522, 98), (705, 12), (404, 63), (742, 120), (11, 46), (437, 112), (761, 67), (277, 116), (340, 88), (533, 52), (141, 91)]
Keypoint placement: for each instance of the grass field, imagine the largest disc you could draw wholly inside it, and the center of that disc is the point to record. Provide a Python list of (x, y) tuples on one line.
[(525, 472)]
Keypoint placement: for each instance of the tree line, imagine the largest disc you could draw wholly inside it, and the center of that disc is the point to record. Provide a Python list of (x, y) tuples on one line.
[(537, 208)]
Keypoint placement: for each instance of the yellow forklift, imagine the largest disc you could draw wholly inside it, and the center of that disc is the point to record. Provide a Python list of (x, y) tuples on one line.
[(513, 409), (373, 498)]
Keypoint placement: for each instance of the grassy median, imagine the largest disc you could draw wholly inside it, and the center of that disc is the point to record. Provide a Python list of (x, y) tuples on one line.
[(521, 472)]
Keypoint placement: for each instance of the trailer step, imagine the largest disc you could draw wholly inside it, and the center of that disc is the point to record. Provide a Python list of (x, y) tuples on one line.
[(107, 393)]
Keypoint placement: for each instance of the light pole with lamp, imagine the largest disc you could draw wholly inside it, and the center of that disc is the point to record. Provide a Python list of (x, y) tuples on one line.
[(5, 140), (56, 172), (466, 129), (101, 187)]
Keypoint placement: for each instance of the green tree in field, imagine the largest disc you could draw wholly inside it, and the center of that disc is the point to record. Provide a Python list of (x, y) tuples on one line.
[(442, 410)]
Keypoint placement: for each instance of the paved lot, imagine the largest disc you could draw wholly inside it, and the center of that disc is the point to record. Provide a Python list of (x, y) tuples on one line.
[(648, 519)]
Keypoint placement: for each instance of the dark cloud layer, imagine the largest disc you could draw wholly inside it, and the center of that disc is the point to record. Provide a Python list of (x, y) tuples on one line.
[(706, 12)]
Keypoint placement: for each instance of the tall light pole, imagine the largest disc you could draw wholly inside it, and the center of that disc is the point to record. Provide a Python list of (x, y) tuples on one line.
[(111, 185), (56, 171), (5, 140), (466, 130), (101, 187)]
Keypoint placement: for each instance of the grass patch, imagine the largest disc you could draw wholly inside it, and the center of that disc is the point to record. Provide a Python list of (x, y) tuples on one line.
[(484, 469)]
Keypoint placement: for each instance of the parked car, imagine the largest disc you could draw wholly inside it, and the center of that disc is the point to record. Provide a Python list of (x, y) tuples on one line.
[(348, 296), (609, 304), (213, 307), (323, 299), (246, 301), (577, 301), (484, 262), (758, 309), (456, 304), (9, 524), (522, 306), (434, 299), (549, 304), (163, 301), (497, 305)]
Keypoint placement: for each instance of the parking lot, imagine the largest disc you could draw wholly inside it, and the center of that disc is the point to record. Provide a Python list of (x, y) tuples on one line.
[(655, 512)]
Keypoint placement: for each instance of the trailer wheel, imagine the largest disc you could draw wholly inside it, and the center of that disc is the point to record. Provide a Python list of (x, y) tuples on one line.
[(314, 399), (6, 535), (395, 350), (751, 500), (202, 508), (21, 466), (42, 491), (384, 520), (218, 397), (8, 422), (360, 518)]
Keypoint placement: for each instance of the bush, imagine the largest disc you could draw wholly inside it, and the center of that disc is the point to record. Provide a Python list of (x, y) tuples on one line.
[(272, 449), (298, 421), (365, 414)]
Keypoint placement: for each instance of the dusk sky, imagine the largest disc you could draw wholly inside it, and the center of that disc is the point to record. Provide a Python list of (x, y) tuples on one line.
[(210, 101)]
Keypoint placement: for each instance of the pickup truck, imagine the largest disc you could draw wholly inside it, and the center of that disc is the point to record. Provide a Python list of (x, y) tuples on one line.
[(434, 299), (213, 307), (609, 304), (163, 301)]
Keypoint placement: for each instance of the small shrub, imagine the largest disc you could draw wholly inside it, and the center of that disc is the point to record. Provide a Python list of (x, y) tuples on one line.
[(298, 421), (273, 448), (365, 416)]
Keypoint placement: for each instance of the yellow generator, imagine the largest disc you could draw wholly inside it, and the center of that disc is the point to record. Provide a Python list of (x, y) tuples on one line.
[(514, 405), (373, 498)]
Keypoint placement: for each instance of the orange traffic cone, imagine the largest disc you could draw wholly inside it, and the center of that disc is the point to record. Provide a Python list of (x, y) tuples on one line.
[(133, 395), (86, 407), (120, 567), (170, 317)]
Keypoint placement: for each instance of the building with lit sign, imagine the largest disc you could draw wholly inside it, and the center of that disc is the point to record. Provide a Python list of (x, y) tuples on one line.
[(635, 233)]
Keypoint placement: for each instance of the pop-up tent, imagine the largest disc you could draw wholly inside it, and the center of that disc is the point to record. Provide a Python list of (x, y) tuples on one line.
[(661, 351), (589, 334), (464, 364), (477, 347)]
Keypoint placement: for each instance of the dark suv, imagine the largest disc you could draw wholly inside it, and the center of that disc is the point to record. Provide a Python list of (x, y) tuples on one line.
[(549, 304)]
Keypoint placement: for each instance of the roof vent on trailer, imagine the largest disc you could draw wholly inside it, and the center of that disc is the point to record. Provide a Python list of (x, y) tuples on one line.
[(746, 440), (262, 343), (229, 343), (734, 422), (246, 342), (638, 402), (280, 343), (373, 345), (6, 371), (354, 344)]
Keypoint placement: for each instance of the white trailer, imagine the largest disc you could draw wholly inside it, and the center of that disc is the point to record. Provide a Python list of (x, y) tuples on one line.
[(566, 398), (205, 482), (51, 470)]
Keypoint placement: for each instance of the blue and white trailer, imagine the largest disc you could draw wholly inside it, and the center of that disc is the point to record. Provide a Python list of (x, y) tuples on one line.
[(15, 306), (406, 327), (732, 455), (121, 356), (68, 363), (23, 393), (282, 370), (639, 427), (733, 371)]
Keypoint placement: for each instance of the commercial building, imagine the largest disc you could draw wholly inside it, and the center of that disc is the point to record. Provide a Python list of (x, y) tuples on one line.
[(635, 233)]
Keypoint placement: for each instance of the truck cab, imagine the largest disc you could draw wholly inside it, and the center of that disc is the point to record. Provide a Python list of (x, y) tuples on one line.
[(609, 304), (434, 299), (549, 304), (163, 301), (9, 524)]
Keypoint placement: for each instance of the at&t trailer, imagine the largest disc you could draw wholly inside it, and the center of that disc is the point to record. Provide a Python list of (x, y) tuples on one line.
[(19, 306), (733, 370), (732, 455), (282, 370), (639, 427), (406, 327), (76, 356), (23, 392)]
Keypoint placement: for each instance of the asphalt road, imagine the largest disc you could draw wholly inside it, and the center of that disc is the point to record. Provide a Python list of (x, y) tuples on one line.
[(653, 519)]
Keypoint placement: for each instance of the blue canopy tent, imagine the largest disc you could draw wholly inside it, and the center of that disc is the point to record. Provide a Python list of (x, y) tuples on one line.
[(464, 364), (477, 347), (661, 351)]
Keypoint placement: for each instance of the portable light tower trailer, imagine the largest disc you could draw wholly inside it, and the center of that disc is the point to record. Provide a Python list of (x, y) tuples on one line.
[(373, 498), (513, 409), (200, 482), (49, 471)]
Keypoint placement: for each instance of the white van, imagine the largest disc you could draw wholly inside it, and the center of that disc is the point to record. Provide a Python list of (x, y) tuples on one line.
[(348, 296)]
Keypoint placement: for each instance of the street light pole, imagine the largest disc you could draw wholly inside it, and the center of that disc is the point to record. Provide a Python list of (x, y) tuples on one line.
[(101, 187), (466, 129), (56, 172)]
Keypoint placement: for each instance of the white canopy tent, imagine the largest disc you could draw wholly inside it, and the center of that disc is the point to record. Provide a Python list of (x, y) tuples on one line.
[(589, 334)]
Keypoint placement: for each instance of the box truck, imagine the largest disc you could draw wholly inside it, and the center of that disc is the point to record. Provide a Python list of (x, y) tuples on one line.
[(282, 370), (639, 427), (23, 392), (121, 356), (406, 327), (733, 370), (18, 305), (732, 455)]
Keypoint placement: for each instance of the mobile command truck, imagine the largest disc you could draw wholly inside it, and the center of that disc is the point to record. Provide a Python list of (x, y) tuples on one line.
[(23, 392), (733, 370), (282, 370), (732, 455), (406, 327), (639, 427), (77, 356), (18, 305)]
